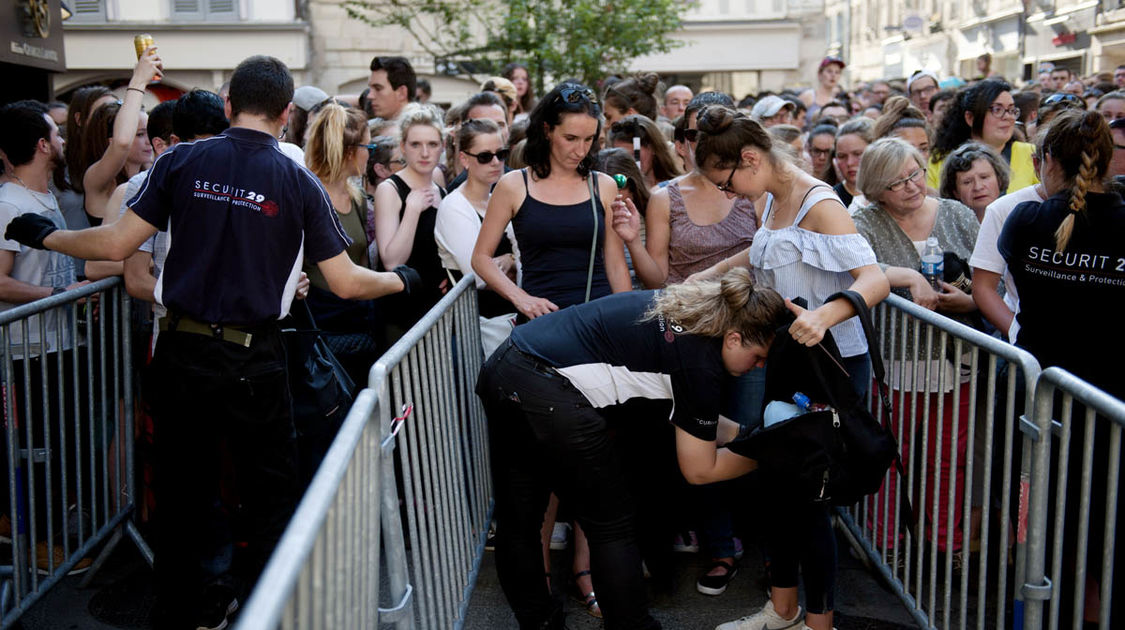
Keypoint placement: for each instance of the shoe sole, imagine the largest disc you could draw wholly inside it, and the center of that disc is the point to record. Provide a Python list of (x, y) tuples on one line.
[(708, 590), (558, 546), (76, 571)]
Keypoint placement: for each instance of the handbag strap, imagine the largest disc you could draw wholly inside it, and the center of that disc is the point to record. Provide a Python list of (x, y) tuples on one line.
[(594, 240), (877, 366), (303, 313)]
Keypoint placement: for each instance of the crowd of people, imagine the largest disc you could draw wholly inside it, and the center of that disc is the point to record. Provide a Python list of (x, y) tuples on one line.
[(636, 246)]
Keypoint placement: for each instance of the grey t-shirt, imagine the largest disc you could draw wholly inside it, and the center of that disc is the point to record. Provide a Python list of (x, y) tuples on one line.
[(35, 266)]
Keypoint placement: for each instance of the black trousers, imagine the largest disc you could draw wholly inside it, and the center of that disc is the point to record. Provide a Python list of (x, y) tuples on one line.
[(207, 393), (546, 437)]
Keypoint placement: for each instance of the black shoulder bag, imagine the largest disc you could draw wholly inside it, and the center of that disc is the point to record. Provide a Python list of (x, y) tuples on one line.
[(837, 455), (321, 389)]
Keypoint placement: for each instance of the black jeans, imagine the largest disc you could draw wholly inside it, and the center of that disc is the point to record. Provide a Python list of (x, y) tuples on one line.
[(545, 436), (208, 393)]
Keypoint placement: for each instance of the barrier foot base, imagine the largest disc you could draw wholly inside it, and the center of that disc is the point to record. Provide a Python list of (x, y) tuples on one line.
[(119, 533)]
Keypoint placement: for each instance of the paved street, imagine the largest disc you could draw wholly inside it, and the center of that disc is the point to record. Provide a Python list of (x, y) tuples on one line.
[(121, 599)]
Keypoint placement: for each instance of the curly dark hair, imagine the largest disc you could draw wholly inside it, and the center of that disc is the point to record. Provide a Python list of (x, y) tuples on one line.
[(954, 131), (565, 98)]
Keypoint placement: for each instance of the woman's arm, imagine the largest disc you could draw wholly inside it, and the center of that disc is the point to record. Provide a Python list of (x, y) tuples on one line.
[(830, 218), (920, 289), (394, 237), (100, 178), (991, 305), (501, 208), (702, 462), (741, 259), (650, 257), (616, 269)]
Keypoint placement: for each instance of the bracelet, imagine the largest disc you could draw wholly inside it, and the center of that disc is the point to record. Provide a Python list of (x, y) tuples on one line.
[(134, 90)]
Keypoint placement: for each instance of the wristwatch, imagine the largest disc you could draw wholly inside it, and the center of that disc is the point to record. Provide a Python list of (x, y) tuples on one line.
[(58, 290)]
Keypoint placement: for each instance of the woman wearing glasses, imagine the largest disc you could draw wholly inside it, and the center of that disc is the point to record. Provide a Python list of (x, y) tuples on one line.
[(897, 224), (807, 246), (482, 154), (986, 113)]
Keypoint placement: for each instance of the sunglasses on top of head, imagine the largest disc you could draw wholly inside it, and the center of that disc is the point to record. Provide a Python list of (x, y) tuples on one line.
[(486, 157), (1067, 98), (577, 94)]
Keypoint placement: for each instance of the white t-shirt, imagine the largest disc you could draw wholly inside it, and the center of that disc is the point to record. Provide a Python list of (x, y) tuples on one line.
[(39, 267), (455, 231), (985, 254)]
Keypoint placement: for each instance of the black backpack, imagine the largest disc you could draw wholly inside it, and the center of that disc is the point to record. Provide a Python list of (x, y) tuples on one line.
[(838, 455)]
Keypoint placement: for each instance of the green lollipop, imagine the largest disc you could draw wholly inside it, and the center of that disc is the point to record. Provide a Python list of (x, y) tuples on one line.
[(621, 180)]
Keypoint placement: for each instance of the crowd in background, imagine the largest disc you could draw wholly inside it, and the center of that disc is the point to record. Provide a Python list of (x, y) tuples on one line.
[(996, 176)]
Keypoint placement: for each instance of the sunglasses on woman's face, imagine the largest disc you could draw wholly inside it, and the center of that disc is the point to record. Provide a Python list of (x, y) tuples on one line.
[(485, 157)]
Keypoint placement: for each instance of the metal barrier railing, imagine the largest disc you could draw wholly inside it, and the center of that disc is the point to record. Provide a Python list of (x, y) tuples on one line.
[(325, 571), (954, 411), (68, 412), (1074, 525)]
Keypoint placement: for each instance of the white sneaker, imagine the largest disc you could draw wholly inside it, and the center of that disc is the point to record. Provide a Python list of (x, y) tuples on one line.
[(559, 536), (766, 619)]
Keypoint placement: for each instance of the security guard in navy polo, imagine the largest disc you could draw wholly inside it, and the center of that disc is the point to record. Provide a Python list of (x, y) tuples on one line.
[(241, 217)]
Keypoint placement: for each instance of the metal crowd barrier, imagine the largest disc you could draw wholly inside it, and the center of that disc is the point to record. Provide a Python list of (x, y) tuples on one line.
[(956, 419), (1064, 434), (68, 429), (325, 572)]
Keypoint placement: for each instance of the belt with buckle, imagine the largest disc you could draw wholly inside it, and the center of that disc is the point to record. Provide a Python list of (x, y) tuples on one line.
[(217, 331)]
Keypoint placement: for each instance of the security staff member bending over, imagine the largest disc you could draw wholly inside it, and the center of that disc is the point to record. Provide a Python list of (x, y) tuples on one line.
[(544, 391), (241, 217)]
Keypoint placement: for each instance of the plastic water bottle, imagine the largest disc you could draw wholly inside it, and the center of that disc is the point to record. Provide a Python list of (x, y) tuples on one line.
[(933, 263)]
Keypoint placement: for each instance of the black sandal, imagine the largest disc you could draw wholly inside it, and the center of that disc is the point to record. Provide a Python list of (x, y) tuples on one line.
[(589, 600)]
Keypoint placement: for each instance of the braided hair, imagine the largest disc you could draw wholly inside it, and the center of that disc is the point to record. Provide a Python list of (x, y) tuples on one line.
[(1081, 144)]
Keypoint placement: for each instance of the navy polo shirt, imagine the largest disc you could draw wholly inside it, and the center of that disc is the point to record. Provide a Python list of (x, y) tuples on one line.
[(241, 218), (611, 355)]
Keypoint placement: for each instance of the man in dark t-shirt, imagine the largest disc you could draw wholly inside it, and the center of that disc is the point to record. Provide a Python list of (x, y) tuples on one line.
[(241, 219)]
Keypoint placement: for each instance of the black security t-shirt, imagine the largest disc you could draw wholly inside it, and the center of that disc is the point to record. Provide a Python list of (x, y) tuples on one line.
[(611, 356), (241, 218), (1069, 300)]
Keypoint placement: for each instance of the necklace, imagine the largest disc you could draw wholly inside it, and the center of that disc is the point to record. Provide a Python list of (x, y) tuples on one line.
[(35, 195)]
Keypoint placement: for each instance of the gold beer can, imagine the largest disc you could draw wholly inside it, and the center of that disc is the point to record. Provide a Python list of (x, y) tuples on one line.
[(142, 42)]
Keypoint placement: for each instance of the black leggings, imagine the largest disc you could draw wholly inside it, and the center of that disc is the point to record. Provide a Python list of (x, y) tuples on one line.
[(799, 536), (546, 437)]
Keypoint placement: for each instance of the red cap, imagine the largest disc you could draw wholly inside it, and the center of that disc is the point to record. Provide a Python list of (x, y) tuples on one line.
[(832, 59)]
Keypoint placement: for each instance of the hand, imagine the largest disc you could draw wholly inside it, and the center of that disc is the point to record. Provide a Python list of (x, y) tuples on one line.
[(149, 68), (923, 294), (809, 327), (626, 219), (711, 273), (954, 300), (411, 281), (30, 229), (533, 307), (420, 199), (302, 286)]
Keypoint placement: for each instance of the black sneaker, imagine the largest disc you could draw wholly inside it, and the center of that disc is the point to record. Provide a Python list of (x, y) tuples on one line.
[(716, 584)]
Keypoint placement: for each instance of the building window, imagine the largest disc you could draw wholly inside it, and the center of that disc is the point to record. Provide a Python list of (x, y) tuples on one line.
[(87, 10), (204, 10)]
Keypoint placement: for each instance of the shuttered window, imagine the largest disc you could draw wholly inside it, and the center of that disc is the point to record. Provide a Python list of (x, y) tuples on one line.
[(87, 10), (184, 10)]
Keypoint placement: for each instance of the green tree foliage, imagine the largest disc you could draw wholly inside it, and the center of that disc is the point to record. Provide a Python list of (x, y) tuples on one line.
[(583, 39)]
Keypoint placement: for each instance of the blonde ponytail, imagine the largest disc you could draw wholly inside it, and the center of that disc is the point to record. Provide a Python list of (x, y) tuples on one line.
[(332, 135)]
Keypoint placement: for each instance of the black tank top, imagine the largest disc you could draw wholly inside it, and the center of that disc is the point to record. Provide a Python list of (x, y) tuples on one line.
[(554, 246), (423, 258)]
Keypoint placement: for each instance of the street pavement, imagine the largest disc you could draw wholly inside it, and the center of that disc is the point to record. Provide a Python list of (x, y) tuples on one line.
[(121, 598)]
